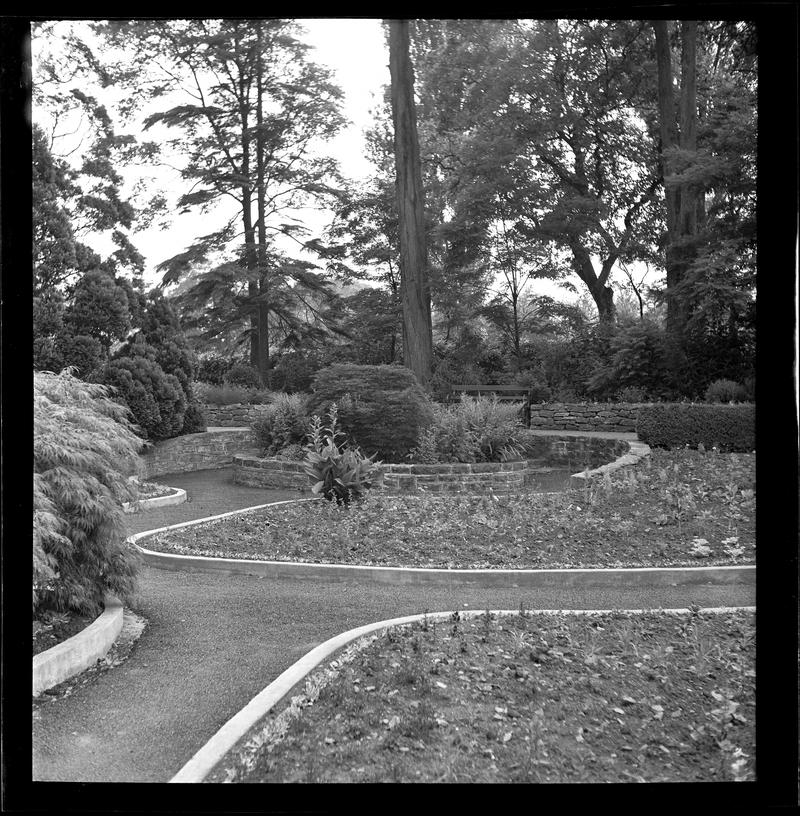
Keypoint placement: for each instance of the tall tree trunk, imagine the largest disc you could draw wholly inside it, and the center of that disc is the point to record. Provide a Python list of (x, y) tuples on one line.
[(414, 285), (250, 251), (684, 201), (263, 279)]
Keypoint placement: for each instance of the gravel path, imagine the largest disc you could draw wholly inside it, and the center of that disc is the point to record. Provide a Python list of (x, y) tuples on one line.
[(213, 642)]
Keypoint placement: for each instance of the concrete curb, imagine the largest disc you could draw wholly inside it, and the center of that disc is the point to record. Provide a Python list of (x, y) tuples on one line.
[(80, 651), (178, 497), (476, 578), (226, 738), (636, 452)]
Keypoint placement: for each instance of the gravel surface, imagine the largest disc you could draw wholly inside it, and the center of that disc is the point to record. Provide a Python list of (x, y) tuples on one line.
[(212, 642)]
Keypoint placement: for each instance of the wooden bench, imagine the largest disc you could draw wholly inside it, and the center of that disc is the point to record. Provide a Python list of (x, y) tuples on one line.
[(503, 393)]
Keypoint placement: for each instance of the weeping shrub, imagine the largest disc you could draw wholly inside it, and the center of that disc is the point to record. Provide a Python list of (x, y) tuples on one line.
[(83, 446)]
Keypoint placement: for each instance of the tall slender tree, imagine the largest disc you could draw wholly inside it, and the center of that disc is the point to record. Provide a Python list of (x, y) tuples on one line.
[(415, 288), (252, 111)]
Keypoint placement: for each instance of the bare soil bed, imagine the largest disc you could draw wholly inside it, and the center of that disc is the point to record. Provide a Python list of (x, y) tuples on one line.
[(677, 508), (613, 697)]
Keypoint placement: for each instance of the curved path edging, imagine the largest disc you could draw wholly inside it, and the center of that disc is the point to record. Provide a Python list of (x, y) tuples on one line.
[(561, 577), (226, 738), (178, 497), (79, 652), (636, 452)]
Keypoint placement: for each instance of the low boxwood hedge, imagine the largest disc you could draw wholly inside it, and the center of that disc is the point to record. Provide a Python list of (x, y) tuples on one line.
[(730, 428)]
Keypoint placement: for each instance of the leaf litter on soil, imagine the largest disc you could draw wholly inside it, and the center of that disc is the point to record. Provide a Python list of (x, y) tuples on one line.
[(612, 697)]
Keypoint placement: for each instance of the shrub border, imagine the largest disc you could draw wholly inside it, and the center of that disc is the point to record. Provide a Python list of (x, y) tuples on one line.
[(225, 740), (72, 656)]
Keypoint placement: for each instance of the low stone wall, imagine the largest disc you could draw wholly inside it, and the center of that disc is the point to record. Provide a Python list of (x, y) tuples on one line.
[(281, 473), (201, 451), (238, 415), (556, 416), (574, 452)]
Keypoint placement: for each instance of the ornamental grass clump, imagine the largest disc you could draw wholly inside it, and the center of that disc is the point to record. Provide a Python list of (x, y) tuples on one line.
[(283, 424), (476, 429), (82, 447), (339, 472)]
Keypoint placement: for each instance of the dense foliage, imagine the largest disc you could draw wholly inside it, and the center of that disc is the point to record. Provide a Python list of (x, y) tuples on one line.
[(156, 400), (382, 409), (283, 423), (476, 429), (83, 445), (725, 427)]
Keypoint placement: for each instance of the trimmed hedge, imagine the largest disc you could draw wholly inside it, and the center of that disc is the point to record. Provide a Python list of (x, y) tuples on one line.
[(730, 428), (382, 408)]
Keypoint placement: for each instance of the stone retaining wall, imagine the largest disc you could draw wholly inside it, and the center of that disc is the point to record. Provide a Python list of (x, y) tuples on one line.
[(556, 416), (575, 453), (238, 415), (201, 451)]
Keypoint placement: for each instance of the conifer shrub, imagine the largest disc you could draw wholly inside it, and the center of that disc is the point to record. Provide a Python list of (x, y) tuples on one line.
[(156, 400), (729, 428), (82, 448), (382, 408), (194, 420)]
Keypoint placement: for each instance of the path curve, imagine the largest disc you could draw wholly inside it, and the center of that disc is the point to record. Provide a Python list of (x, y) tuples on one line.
[(213, 642)]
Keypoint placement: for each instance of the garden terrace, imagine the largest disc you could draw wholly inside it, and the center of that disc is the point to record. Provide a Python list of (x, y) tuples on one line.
[(567, 453)]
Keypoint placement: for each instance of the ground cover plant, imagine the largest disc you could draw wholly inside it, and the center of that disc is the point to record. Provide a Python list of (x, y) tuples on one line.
[(683, 507), (612, 697)]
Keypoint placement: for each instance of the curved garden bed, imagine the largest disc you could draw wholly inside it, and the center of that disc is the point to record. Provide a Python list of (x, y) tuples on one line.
[(681, 508), (72, 656), (490, 697)]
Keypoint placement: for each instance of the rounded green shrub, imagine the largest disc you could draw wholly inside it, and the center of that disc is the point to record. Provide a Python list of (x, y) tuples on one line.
[(156, 400), (243, 375), (382, 408)]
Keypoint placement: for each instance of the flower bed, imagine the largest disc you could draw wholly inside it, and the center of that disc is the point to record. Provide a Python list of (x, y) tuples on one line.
[(613, 697), (677, 508)]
